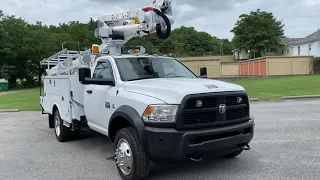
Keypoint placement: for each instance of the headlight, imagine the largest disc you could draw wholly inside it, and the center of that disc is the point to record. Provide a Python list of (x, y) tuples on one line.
[(160, 113)]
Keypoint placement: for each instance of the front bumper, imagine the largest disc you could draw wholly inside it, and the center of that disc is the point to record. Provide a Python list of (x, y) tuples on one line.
[(169, 144)]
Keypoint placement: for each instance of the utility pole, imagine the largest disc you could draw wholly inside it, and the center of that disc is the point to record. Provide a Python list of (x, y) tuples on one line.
[(221, 47), (62, 45)]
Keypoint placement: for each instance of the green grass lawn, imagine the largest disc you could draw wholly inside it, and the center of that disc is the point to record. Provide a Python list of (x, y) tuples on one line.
[(28, 100), (275, 88), (264, 89)]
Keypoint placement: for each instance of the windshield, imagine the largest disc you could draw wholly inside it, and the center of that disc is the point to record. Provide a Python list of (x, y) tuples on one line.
[(136, 68)]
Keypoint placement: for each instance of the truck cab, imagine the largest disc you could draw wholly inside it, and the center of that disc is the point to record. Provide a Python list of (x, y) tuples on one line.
[(173, 113)]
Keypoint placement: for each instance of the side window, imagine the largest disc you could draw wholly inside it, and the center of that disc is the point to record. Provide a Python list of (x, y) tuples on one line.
[(102, 70)]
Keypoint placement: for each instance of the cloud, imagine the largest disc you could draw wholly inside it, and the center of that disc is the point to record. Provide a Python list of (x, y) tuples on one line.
[(216, 17)]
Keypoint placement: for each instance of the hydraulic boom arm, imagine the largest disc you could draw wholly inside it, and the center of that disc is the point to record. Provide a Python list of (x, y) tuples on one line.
[(136, 23), (115, 30)]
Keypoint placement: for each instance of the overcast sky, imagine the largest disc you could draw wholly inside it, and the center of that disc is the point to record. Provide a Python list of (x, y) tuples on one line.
[(216, 17)]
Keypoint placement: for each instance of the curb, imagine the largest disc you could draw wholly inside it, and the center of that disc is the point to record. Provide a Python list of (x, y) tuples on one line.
[(9, 110), (288, 98), (301, 97)]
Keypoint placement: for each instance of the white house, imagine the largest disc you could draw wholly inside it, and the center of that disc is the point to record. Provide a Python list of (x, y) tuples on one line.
[(308, 46), (240, 54), (288, 46)]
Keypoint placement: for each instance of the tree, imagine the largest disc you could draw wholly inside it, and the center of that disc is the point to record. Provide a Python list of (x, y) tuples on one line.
[(24, 45), (258, 31), (183, 41), (226, 48), (14, 48)]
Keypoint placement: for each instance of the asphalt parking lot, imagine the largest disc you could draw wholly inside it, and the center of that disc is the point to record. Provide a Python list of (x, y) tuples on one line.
[(286, 145)]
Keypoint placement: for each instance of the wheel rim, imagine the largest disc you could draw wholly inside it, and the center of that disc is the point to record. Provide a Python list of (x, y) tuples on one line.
[(124, 157), (57, 125)]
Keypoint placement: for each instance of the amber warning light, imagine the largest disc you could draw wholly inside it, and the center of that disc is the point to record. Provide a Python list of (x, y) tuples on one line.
[(95, 49)]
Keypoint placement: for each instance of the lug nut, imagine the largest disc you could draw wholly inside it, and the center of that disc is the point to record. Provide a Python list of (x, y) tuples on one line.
[(121, 163)]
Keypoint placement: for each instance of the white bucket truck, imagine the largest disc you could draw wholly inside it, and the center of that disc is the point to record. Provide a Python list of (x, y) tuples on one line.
[(151, 107)]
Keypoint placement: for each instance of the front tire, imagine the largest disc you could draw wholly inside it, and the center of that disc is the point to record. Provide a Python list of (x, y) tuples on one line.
[(131, 161), (62, 132)]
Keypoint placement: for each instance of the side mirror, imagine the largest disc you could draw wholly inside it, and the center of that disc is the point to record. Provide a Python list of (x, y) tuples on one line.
[(85, 78), (203, 72), (99, 81), (83, 74)]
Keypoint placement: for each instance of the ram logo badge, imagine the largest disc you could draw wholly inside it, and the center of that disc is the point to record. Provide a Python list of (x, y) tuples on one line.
[(239, 100), (222, 108)]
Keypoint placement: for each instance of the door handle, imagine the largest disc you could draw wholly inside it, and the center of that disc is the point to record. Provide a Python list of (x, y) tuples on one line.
[(89, 91)]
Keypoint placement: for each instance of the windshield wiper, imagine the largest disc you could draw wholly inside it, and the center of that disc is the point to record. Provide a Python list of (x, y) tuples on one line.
[(141, 78), (176, 76)]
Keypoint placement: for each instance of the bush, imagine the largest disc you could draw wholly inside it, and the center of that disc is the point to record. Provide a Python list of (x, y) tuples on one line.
[(316, 65)]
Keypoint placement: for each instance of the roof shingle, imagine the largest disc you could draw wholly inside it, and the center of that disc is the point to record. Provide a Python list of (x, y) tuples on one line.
[(311, 38)]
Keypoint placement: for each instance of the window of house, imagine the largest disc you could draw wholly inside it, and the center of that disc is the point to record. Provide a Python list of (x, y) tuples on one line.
[(282, 51), (309, 46), (299, 50), (288, 51)]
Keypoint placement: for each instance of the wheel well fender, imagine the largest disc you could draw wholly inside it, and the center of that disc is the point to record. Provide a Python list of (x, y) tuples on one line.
[(55, 107), (51, 115), (125, 116)]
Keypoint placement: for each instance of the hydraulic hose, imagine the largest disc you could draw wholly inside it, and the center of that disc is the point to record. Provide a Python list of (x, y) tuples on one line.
[(158, 26)]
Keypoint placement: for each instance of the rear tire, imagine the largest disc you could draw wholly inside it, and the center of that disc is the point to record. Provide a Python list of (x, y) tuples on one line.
[(51, 121), (62, 132), (234, 154), (134, 164)]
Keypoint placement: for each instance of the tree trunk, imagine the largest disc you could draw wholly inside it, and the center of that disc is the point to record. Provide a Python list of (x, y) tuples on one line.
[(12, 82)]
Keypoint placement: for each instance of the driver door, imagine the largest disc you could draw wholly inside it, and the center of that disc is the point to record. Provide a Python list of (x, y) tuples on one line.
[(98, 98)]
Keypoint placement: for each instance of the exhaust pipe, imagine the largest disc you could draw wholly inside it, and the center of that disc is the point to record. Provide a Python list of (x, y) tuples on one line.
[(196, 157)]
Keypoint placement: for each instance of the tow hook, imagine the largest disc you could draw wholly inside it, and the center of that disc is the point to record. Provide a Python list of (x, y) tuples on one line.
[(246, 147)]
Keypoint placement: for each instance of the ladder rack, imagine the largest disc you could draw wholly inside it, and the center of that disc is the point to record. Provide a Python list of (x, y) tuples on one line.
[(62, 61), (61, 56)]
